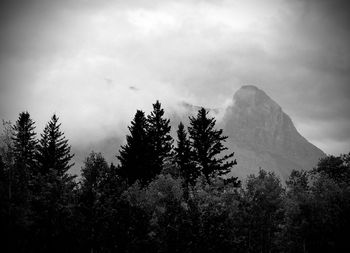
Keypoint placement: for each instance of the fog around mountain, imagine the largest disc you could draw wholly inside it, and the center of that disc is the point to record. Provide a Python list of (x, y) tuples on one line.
[(259, 132)]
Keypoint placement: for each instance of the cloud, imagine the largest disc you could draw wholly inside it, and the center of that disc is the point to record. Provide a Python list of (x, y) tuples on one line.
[(84, 60)]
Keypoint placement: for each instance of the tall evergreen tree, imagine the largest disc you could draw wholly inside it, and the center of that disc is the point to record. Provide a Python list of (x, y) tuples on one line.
[(21, 178), (183, 157), (24, 149), (53, 191), (134, 156), (24, 152), (53, 149), (159, 137), (207, 144)]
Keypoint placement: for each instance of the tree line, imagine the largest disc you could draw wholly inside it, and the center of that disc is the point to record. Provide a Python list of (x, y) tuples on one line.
[(163, 195)]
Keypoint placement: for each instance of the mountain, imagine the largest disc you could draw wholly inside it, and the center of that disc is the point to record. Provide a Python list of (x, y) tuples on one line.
[(262, 135)]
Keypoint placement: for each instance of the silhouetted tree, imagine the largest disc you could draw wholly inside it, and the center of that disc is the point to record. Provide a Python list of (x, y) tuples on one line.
[(207, 145), (24, 149), (94, 173), (159, 137), (335, 167), (135, 155), (53, 188), (298, 213), (263, 211), (21, 181), (183, 157), (53, 150)]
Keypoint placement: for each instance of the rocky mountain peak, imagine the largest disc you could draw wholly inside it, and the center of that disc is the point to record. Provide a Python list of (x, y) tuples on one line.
[(256, 125), (260, 133), (250, 96), (254, 113)]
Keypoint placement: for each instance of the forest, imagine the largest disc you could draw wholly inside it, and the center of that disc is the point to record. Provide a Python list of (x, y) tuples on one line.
[(163, 195)]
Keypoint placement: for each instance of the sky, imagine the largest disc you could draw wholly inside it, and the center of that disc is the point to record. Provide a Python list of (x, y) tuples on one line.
[(93, 63)]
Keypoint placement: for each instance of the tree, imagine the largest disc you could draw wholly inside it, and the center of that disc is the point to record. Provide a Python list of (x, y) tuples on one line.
[(24, 152), (7, 167), (24, 149), (207, 144), (159, 137), (336, 168), (298, 213), (94, 172), (53, 188), (53, 150), (134, 156), (6, 144), (298, 182), (183, 157), (3, 193), (21, 177), (262, 201)]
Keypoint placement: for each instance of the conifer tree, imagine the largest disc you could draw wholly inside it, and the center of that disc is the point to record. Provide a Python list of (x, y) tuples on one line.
[(134, 156), (21, 178), (53, 182), (24, 144), (183, 157), (207, 144), (53, 149), (54, 186), (24, 152), (159, 137)]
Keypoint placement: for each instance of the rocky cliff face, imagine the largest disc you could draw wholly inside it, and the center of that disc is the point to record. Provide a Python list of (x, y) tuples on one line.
[(262, 135)]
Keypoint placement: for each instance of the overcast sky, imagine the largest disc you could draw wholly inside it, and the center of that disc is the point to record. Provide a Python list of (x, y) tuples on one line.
[(95, 62)]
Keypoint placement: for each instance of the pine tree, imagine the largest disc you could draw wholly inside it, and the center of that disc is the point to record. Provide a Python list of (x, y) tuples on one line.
[(53, 191), (160, 139), (53, 150), (24, 152), (21, 178), (207, 144), (134, 156), (24, 147), (183, 157)]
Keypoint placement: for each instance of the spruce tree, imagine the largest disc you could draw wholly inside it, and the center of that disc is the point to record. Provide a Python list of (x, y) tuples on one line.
[(53, 150), (52, 206), (24, 152), (134, 156), (207, 145), (183, 157), (21, 178), (24, 147), (54, 183), (159, 137)]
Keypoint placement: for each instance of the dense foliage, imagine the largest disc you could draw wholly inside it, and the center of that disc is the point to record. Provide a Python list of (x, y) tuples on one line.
[(163, 199)]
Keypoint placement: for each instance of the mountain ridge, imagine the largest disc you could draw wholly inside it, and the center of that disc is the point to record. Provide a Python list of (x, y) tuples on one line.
[(260, 133), (257, 125)]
